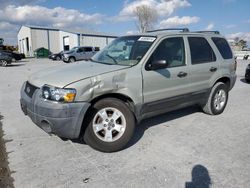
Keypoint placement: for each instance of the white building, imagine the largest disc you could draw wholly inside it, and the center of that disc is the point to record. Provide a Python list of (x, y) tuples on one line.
[(55, 40)]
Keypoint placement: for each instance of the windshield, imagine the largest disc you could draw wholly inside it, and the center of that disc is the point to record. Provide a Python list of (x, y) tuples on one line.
[(126, 51), (72, 50)]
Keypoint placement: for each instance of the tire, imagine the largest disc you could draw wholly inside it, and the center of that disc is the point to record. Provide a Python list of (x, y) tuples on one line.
[(58, 58), (4, 63), (121, 130), (247, 80), (217, 99), (72, 60)]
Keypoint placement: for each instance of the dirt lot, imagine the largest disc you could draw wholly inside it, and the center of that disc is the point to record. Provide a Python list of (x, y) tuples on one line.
[(185, 148)]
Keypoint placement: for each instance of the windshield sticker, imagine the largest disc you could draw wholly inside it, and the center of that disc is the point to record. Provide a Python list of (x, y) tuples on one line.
[(147, 39)]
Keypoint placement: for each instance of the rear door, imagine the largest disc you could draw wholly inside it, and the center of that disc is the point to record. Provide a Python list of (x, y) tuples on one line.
[(204, 68), (88, 52)]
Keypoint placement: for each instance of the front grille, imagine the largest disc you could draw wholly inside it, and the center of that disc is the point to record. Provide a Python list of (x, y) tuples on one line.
[(30, 89)]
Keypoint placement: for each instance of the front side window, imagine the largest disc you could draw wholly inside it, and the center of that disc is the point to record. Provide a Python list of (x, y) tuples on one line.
[(201, 51), (223, 47), (88, 49), (80, 50), (128, 50), (172, 50)]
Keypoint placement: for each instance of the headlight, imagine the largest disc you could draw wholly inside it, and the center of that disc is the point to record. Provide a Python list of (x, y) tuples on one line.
[(58, 94)]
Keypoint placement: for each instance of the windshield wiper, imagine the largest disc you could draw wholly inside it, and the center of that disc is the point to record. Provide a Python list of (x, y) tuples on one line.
[(100, 62), (112, 58)]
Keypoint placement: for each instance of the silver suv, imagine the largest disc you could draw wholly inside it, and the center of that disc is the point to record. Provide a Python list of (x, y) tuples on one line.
[(133, 78), (79, 53)]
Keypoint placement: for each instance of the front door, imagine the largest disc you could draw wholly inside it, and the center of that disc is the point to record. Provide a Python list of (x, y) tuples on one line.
[(166, 87)]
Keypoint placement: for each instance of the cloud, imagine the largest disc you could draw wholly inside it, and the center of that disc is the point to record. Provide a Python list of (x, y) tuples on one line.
[(13, 16), (161, 7), (246, 21), (39, 15), (5, 3), (132, 32), (240, 35), (230, 26), (178, 21), (210, 26)]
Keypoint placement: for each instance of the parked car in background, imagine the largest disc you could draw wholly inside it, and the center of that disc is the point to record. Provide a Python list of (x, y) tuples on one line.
[(57, 56), (5, 59), (15, 55), (79, 53), (247, 74)]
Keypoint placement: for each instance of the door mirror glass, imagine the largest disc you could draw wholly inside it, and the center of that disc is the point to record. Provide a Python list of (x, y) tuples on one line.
[(159, 64)]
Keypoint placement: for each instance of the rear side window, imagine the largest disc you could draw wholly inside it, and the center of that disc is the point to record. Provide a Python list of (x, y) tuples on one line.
[(223, 47), (201, 51)]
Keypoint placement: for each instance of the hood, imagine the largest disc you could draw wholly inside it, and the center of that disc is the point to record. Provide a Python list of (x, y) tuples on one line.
[(65, 74)]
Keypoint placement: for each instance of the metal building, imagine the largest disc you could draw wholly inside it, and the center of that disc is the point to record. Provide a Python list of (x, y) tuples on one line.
[(32, 37)]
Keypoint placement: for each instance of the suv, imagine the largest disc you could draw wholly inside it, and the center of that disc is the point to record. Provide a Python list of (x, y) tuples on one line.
[(134, 78), (79, 53)]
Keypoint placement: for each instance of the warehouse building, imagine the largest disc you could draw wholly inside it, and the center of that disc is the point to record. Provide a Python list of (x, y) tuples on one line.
[(31, 38)]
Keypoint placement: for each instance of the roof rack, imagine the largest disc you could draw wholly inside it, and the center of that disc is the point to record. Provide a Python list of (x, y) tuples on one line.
[(170, 29), (215, 32)]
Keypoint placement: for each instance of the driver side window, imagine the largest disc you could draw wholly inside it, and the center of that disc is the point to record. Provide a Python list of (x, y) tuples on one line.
[(172, 50)]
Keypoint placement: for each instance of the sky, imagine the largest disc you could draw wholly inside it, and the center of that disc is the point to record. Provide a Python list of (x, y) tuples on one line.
[(230, 17)]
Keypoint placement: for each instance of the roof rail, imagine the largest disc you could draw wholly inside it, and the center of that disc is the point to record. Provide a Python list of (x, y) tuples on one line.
[(215, 32), (170, 29)]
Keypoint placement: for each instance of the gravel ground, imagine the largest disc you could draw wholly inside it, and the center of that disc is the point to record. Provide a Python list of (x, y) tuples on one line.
[(184, 148)]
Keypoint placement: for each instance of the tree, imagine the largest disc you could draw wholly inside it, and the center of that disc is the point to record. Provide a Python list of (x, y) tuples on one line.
[(1, 41), (240, 43), (146, 17)]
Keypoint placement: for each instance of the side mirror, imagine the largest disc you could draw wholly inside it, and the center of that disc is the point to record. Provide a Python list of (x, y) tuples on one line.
[(158, 64)]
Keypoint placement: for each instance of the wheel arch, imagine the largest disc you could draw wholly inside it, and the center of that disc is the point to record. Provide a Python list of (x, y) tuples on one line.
[(126, 99), (226, 80)]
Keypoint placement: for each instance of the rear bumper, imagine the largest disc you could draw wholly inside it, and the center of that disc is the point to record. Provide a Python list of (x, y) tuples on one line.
[(233, 80), (62, 119)]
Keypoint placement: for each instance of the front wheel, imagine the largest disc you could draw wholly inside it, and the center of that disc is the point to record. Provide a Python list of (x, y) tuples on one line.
[(72, 60), (217, 99), (110, 126), (4, 63)]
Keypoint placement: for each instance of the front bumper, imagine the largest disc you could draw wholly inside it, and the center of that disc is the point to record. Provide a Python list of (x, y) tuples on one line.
[(65, 59), (62, 119)]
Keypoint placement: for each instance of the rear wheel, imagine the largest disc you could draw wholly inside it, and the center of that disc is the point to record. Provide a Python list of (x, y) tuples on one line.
[(4, 63), (217, 100), (58, 58), (110, 126)]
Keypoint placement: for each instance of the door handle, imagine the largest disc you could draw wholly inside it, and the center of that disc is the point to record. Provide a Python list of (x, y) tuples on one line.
[(213, 69), (182, 74)]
